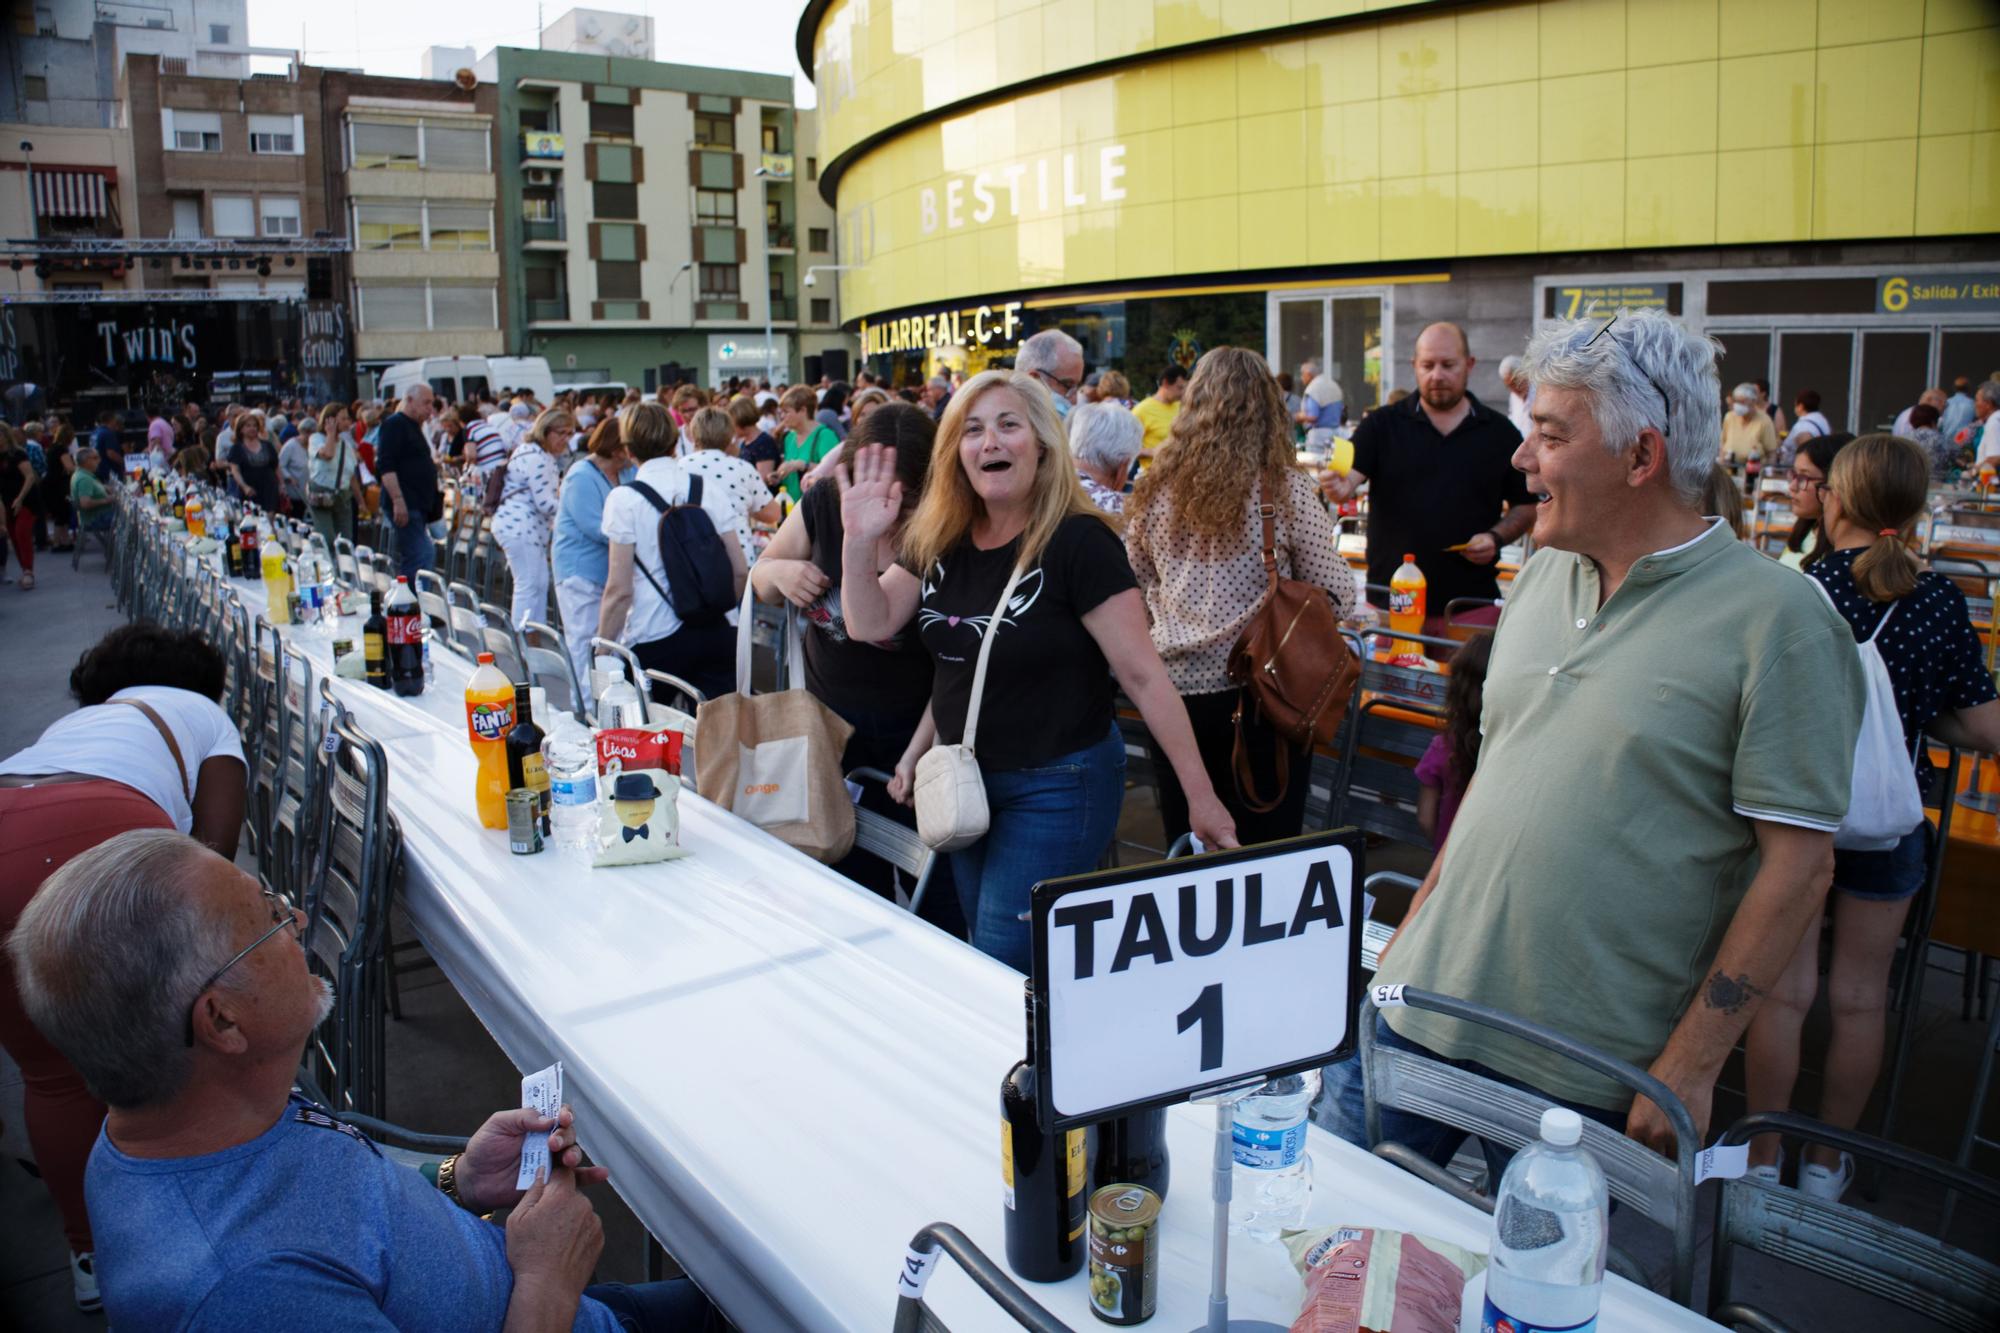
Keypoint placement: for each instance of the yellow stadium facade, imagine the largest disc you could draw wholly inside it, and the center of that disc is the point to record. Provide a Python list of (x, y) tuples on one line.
[(1816, 182)]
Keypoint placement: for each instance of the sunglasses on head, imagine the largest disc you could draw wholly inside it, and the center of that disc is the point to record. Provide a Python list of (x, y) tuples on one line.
[(1667, 426)]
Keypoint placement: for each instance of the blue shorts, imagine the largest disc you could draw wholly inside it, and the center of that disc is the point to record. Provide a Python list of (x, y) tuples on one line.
[(1887, 876)]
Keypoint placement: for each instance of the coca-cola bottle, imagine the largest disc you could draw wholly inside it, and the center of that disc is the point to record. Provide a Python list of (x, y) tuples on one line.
[(404, 630)]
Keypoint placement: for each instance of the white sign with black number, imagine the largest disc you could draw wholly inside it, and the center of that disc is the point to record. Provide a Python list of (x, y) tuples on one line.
[(1161, 980)]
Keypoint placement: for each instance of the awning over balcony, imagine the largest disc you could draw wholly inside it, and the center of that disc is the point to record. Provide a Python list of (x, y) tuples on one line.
[(71, 194)]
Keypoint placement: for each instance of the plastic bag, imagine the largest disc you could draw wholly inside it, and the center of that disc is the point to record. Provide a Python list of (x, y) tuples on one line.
[(1363, 1278), (638, 795)]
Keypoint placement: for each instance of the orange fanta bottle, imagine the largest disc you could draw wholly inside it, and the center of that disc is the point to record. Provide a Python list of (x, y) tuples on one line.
[(489, 716), (1406, 608)]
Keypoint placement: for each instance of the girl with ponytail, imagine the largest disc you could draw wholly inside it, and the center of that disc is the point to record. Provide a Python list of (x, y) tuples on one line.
[(1875, 492)]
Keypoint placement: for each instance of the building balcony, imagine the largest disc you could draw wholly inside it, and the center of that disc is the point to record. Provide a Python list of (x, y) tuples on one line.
[(553, 231), (546, 309), (784, 307), (544, 148), (779, 238)]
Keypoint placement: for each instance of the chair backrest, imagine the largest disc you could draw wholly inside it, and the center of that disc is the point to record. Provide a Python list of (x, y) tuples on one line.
[(466, 619), (896, 843), (1376, 934), (347, 910), (345, 566), (497, 636), (1917, 1272), (1332, 769), (628, 662), (1391, 736), (545, 655), (1653, 1186)]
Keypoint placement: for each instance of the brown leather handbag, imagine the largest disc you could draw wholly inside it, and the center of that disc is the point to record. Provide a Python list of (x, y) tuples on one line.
[(1293, 667)]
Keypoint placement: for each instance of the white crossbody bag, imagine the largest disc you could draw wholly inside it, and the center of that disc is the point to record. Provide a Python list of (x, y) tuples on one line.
[(950, 792), (1884, 803)]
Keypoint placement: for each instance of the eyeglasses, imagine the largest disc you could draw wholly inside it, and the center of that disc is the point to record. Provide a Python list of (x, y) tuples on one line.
[(1068, 387), (283, 915), (1799, 479), (1666, 408)]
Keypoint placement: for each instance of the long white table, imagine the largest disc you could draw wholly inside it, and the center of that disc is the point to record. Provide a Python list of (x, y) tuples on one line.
[(786, 1075)]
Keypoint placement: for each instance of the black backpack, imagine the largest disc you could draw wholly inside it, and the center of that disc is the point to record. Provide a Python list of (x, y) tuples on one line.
[(700, 584)]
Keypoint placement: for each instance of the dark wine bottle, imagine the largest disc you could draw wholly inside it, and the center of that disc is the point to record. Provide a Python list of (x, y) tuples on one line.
[(524, 756), (1132, 1150), (1043, 1175), (375, 642)]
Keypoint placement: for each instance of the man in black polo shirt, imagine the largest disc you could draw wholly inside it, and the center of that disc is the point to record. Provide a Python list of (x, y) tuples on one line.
[(1441, 464), (409, 480)]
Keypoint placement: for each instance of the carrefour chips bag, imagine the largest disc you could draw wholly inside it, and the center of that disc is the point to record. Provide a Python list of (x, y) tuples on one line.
[(1365, 1278), (638, 795)]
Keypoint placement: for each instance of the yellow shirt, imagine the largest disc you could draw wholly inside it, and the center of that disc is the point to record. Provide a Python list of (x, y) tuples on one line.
[(1158, 419), (1741, 434)]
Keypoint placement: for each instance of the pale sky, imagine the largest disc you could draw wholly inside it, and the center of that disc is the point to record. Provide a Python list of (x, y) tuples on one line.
[(390, 36)]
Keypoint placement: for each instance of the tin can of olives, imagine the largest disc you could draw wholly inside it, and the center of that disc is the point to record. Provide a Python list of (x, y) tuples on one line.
[(1124, 1253), (524, 821)]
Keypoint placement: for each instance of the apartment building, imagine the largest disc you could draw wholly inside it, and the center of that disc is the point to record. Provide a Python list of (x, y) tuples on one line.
[(229, 159), (409, 176), (656, 218)]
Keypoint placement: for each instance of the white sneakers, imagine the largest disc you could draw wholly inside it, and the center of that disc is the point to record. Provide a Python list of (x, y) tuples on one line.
[(1825, 1182), (1771, 1173), (83, 1282)]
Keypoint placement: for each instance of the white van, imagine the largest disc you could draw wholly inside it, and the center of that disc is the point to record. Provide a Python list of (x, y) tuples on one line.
[(456, 378)]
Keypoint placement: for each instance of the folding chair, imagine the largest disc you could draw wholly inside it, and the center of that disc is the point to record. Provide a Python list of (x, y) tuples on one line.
[(1916, 1272), (1907, 991), (346, 567), (1382, 782), (465, 620), (913, 1315), (497, 636), (1398, 1079), (545, 657), (102, 534), (898, 844), (628, 662), (291, 826), (1375, 935), (670, 712)]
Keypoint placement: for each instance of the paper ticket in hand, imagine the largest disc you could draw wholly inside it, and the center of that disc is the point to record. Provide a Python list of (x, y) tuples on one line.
[(541, 1093)]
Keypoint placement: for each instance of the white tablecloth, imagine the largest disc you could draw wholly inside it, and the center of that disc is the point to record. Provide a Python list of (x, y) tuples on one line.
[(786, 1075)]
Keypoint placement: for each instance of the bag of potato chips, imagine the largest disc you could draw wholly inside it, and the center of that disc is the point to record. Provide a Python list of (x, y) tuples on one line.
[(638, 795), (1365, 1278)]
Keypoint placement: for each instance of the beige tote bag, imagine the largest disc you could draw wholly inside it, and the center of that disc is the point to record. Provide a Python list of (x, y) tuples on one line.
[(774, 759)]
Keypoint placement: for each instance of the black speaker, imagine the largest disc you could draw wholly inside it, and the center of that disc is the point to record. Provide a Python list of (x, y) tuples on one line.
[(833, 362), (812, 370), (652, 380), (319, 279)]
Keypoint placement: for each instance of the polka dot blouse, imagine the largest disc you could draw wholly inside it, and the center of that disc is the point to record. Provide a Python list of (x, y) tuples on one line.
[(1200, 592), (1932, 653)]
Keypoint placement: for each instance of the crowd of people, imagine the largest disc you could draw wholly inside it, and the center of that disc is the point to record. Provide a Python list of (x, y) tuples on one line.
[(1647, 762)]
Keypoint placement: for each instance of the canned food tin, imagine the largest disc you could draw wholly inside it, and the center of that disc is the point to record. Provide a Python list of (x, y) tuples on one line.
[(342, 648), (524, 823), (1124, 1253)]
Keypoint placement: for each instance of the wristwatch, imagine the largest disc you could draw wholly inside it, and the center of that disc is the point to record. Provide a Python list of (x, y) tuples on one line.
[(447, 1180)]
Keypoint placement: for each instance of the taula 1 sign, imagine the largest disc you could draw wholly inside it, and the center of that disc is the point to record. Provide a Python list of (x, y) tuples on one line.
[(1154, 982)]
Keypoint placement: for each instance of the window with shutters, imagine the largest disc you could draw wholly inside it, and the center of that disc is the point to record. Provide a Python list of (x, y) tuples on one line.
[(714, 131), (717, 171), (384, 147), (273, 134), (617, 280), (715, 208), (720, 282), (455, 147), (387, 307), (35, 87), (187, 216), (609, 199), (819, 239), (197, 131), (388, 227), (235, 215), (612, 122), (462, 307), (278, 216), (460, 227), (822, 310)]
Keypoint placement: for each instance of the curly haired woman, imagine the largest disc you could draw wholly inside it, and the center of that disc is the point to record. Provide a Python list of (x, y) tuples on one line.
[(1195, 538)]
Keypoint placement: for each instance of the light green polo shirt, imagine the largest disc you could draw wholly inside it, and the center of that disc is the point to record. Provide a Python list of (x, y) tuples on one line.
[(1607, 838)]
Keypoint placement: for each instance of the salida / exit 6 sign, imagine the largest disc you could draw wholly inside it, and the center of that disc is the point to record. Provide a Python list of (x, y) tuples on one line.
[(1154, 982)]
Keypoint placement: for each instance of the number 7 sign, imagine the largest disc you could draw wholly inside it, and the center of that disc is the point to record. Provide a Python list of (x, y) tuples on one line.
[(1153, 982)]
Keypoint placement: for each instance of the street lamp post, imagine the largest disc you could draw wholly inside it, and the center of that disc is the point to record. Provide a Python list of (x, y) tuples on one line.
[(34, 223), (674, 281), (769, 341)]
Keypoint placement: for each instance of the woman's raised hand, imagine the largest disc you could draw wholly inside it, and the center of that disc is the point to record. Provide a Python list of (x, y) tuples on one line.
[(870, 496)]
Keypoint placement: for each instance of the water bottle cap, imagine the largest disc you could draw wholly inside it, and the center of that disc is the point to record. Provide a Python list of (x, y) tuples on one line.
[(1561, 1126)]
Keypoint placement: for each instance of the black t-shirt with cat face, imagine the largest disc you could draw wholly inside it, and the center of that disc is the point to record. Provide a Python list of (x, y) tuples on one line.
[(1048, 686)]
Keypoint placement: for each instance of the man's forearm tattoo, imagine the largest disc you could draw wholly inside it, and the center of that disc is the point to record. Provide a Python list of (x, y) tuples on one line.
[(1730, 994)]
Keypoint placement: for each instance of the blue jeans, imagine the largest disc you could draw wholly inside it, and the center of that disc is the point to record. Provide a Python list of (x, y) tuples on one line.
[(1342, 1108), (675, 1306), (414, 551), (1044, 822)]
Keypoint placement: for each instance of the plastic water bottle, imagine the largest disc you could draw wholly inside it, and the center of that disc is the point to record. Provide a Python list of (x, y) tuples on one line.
[(1550, 1226), (570, 758), (1273, 1177), (617, 702)]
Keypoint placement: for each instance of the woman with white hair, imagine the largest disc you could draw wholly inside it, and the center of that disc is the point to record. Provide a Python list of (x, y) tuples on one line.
[(527, 513), (1747, 429), (1105, 439)]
